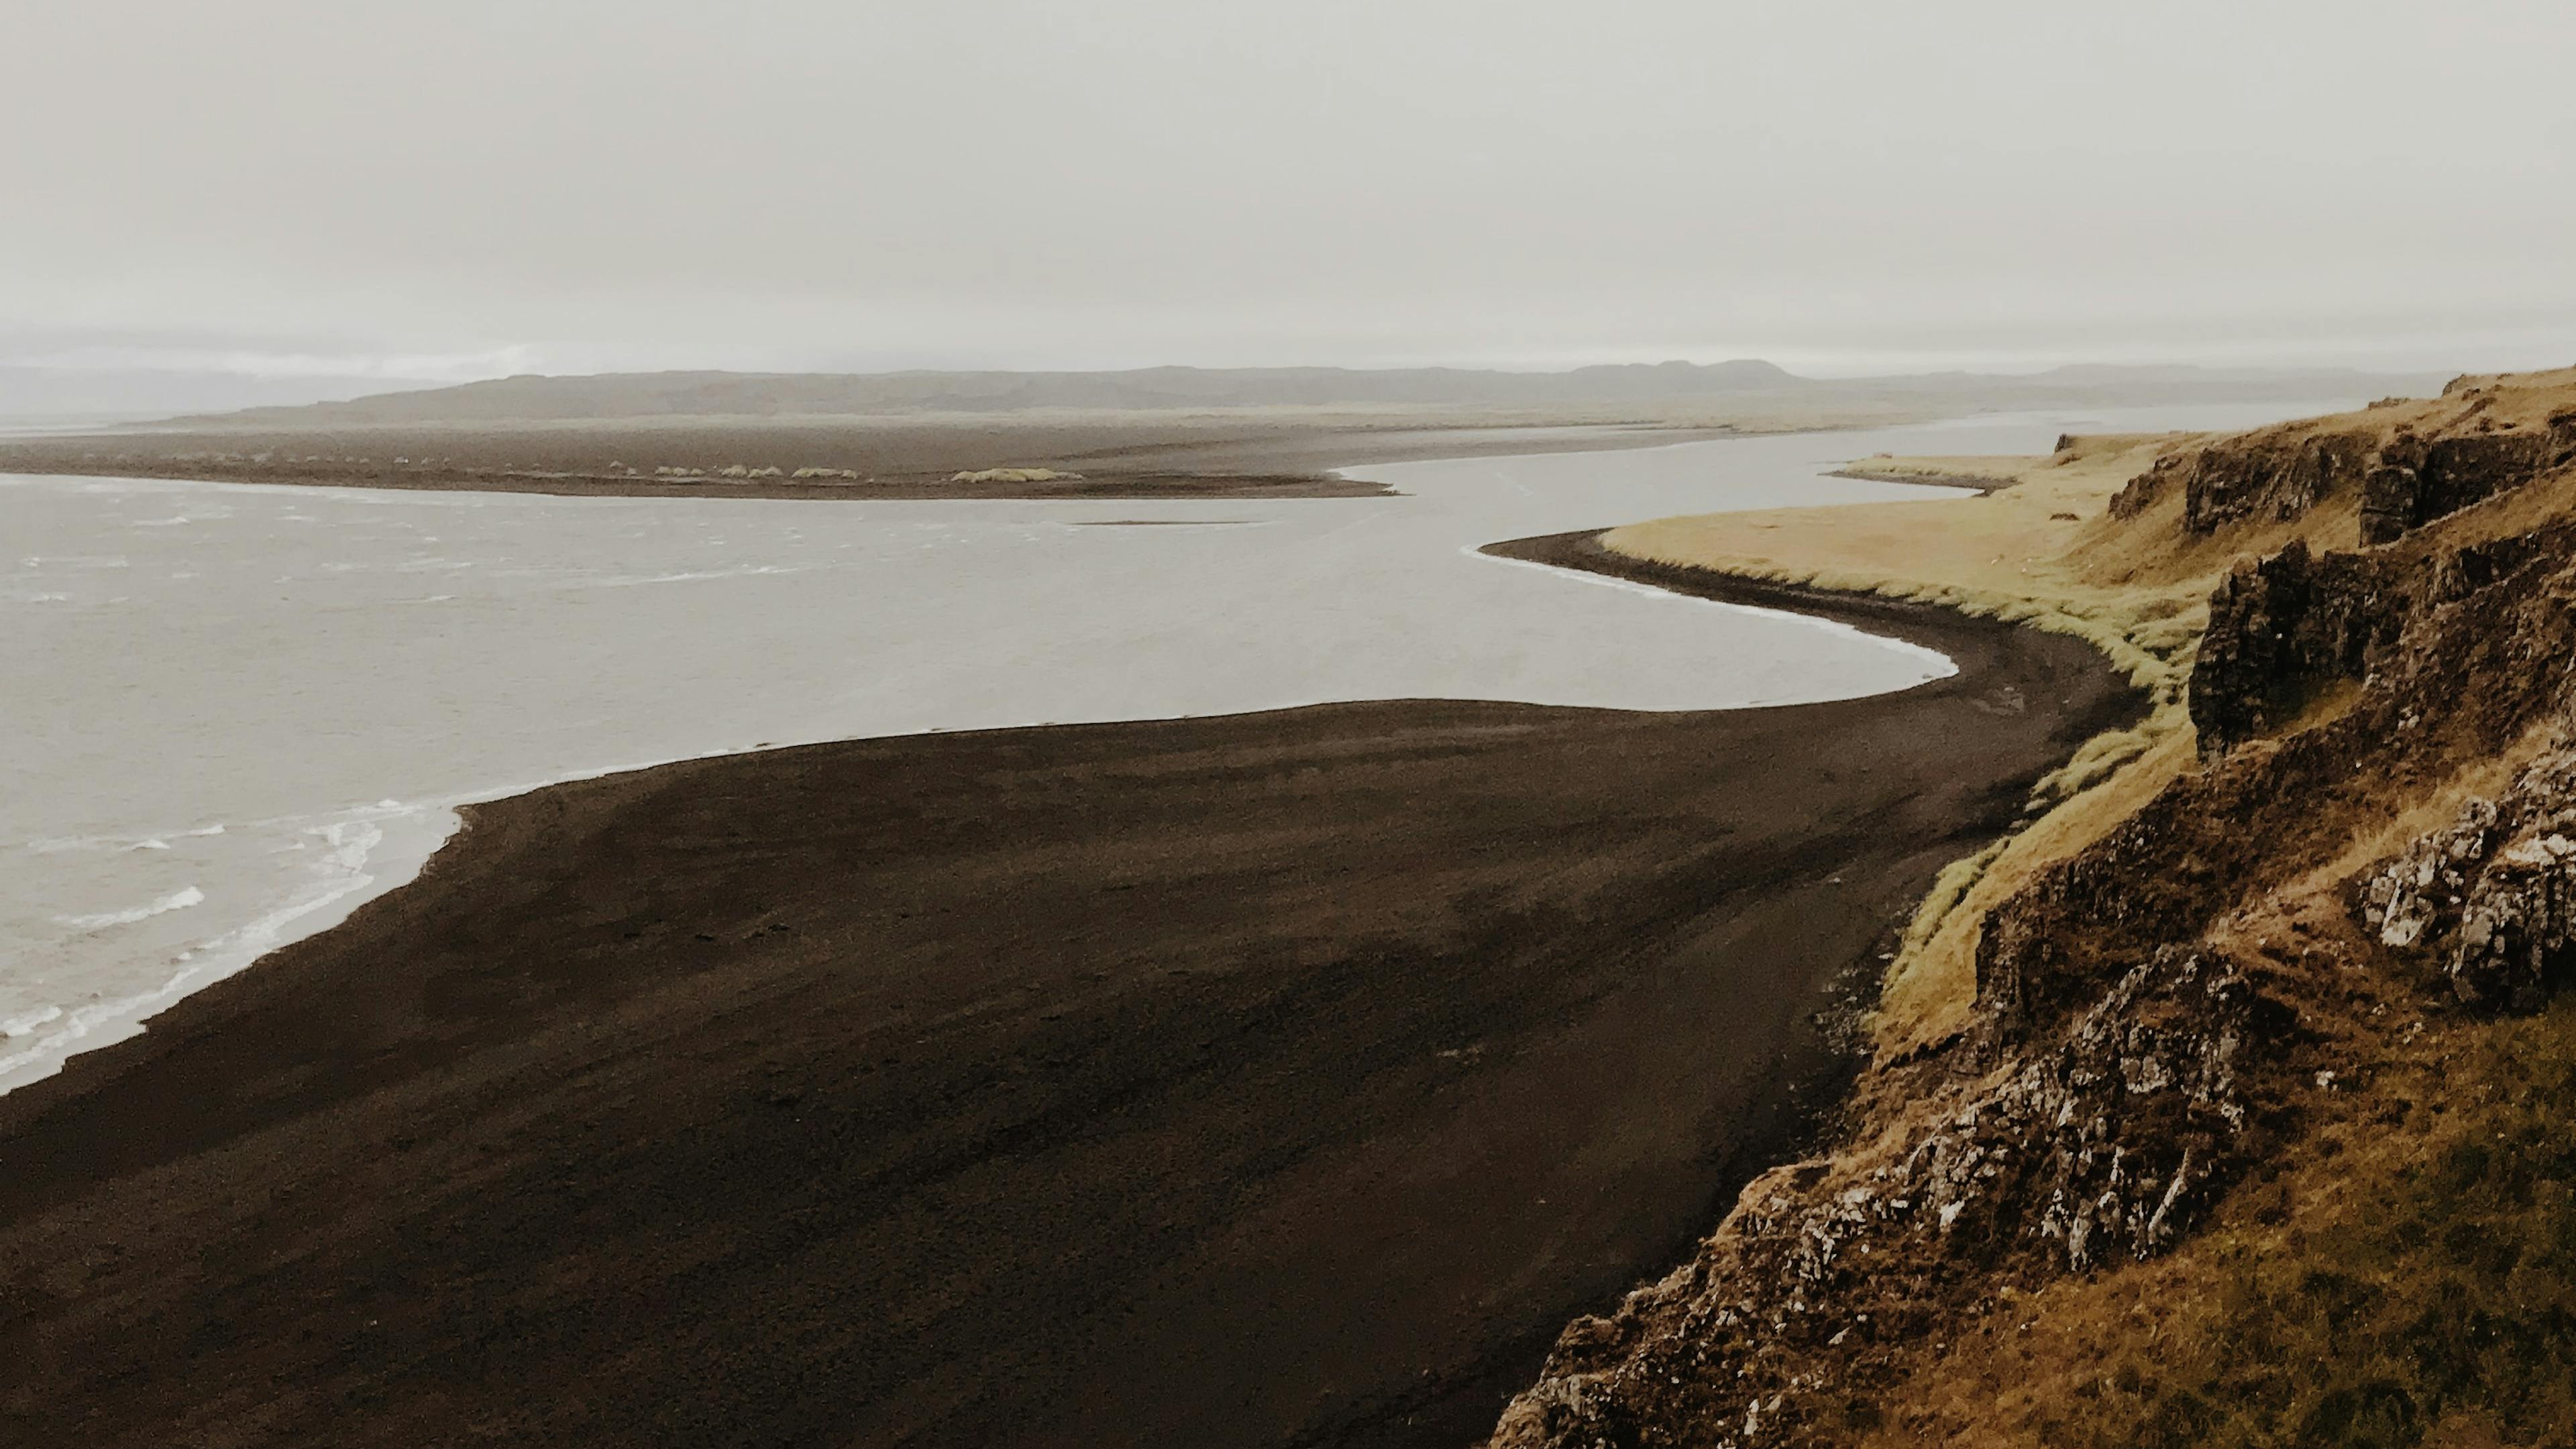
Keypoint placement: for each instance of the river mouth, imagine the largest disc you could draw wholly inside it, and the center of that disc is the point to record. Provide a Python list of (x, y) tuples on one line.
[(244, 682), (241, 681), (1253, 1078)]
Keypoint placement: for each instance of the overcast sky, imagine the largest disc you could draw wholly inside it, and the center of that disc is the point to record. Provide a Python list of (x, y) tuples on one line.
[(464, 187)]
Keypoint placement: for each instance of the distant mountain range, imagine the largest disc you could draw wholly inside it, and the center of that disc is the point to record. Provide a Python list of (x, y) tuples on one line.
[(738, 394), (29, 392)]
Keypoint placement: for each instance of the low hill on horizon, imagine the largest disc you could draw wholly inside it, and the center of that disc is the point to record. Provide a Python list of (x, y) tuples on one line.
[(712, 393), (537, 397)]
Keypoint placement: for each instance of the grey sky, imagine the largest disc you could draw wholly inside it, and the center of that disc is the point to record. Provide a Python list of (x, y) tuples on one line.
[(464, 186)]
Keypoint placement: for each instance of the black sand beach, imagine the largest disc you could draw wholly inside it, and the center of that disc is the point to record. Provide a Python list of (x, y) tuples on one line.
[(1272, 1079)]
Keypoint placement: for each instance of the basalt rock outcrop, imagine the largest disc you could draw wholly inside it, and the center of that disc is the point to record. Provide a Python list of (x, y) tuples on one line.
[(2108, 1144), (2278, 627), (2404, 479), (2222, 485), (2490, 900), (2140, 493), (2283, 626), (2251, 478), (2413, 481)]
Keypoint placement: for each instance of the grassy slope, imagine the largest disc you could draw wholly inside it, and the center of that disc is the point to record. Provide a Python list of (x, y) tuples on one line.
[(2407, 1275), (2017, 554)]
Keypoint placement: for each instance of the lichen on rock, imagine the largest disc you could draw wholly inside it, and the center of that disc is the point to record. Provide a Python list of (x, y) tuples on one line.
[(2490, 899)]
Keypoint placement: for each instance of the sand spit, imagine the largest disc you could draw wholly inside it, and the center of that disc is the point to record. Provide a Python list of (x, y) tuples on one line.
[(1094, 456), (1224, 1081)]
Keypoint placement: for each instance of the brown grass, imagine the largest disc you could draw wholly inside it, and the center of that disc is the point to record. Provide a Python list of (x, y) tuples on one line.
[(2409, 1278)]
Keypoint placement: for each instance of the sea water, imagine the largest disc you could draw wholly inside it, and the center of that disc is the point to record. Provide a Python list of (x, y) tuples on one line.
[(231, 713)]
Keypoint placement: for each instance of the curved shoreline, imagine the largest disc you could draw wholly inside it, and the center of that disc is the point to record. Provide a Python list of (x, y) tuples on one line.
[(1255, 1044), (1926, 625)]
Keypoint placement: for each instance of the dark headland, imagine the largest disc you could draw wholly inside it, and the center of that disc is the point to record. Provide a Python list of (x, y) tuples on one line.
[(1286, 1078)]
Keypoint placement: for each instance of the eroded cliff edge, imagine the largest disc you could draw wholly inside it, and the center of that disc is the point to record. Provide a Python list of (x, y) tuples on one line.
[(2263, 1064)]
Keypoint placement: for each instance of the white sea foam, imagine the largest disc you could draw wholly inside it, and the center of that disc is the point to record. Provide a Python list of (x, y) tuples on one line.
[(339, 874), (178, 900), (628, 581), (157, 840)]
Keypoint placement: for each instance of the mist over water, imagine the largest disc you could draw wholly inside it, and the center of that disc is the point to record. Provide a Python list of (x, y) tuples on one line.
[(235, 712)]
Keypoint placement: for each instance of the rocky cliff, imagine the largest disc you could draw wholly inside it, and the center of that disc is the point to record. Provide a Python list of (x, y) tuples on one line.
[(2401, 466), (2381, 828)]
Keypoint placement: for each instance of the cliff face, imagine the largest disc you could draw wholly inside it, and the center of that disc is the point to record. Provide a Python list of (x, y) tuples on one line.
[(2184, 1000), (2283, 627), (2101, 1140), (2280, 479), (2404, 467), (2414, 480)]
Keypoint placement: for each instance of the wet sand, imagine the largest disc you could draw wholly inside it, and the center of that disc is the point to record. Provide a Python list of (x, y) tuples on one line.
[(1271, 1079)]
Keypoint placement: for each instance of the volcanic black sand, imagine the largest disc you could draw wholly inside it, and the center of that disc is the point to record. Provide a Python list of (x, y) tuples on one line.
[(1273, 1079), (1116, 455)]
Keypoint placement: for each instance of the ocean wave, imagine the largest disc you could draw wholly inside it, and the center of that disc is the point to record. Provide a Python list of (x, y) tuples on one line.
[(628, 581), (178, 900), (157, 840), (57, 1034)]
